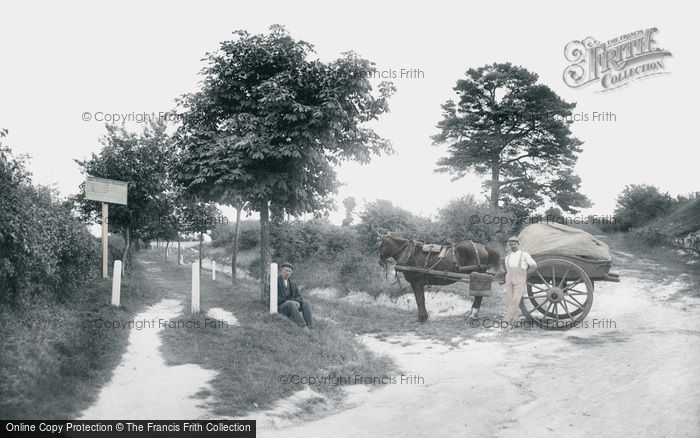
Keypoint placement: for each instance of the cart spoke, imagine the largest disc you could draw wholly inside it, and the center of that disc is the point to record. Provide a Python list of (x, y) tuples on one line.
[(577, 302), (554, 278), (577, 292), (561, 282), (541, 304), (575, 283), (542, 278), (539, 288), (566, 308)]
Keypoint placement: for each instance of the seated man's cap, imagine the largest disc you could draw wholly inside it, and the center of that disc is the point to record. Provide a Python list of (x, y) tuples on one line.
[(514, 239), (287, 265)]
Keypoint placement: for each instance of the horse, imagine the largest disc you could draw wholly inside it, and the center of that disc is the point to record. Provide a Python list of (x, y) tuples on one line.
[(462, 257)]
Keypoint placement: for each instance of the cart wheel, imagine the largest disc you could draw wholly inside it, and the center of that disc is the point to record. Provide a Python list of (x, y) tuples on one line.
[(559, 295), (534, 301)]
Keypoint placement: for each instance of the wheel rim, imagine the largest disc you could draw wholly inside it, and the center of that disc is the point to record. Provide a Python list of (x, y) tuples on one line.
[(559, 295)]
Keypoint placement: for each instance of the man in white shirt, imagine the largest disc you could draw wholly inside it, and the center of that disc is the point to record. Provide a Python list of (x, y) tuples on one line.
[(519, 265)]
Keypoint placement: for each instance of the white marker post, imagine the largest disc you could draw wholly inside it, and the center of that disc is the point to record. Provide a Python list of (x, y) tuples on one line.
[(195, 288), (182, 259), (273, 287), (213, 270), (116, 282)]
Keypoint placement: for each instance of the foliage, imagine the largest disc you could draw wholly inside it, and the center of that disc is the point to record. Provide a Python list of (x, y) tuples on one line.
[(466, 219), (157, 208), (638, 205), (267, 116), (506, 125), (142, 160), (298, 240), (349, 203), (222, 235), (382, 216), (43, 249), (269, 125)]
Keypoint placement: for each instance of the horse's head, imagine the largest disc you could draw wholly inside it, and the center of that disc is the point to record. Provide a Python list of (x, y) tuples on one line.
[(383, 256), (389, 246)]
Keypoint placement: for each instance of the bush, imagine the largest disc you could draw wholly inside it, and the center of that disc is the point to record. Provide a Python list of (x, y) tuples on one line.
[(43, 249), (466, 219), (298, 240), (255, 267), (248, 235), (382, 216), (638, 205)]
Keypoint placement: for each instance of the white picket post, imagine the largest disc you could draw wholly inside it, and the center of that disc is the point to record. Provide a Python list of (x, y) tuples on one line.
[(213, 270), (195, 288), (116, 282), (273, 288)]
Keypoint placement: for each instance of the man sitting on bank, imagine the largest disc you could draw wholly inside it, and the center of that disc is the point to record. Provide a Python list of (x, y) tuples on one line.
[(289, 300)]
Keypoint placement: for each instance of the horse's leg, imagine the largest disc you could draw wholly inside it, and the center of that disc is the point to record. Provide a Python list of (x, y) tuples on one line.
[(474, 311), (419, 293)]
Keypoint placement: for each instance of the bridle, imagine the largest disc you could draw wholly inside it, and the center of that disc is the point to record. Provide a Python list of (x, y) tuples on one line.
[(406, 250)]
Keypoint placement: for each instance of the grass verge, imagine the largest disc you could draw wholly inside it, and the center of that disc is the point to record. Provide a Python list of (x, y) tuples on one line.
[(56, 356), (253, 358)]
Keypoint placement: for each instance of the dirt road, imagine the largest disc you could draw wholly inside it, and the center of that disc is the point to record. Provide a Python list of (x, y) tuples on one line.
[(636, 372), (633, 370)]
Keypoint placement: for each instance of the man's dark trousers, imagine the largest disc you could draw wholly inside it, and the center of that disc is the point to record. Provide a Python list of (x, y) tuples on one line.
[(287, 295), (302, 318)]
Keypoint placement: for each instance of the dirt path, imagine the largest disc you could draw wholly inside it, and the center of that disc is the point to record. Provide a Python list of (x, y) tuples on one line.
[(143, 386), (636, 373)]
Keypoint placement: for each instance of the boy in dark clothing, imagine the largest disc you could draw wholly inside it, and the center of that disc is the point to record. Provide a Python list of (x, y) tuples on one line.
[(289, 300)]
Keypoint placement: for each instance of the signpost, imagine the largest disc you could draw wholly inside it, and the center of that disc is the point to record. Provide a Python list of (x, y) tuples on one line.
[(107, 191)]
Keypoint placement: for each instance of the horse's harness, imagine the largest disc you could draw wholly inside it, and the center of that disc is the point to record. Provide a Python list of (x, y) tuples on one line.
[(409, 248)]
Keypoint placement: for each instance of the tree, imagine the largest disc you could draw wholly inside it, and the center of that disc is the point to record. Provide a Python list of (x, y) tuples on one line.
[(239, 205), (195, 216), (268, 125), (143, 160), (507, 125), (350, 205), (465, 218), (637, 205)]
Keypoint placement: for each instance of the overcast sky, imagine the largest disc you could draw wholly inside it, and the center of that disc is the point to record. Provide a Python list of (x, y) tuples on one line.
[(62, 59)]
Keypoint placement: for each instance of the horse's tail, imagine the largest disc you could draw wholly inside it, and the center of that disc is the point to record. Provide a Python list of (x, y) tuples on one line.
[(494, 258)]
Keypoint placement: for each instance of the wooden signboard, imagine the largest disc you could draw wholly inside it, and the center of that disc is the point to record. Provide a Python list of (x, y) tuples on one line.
[(107, 191)]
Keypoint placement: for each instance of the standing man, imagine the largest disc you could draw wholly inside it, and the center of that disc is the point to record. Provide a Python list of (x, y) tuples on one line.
[(289, 300), (519, 265)]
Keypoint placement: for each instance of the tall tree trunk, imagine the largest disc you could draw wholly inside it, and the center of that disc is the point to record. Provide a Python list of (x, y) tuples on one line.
[(167, 245), (178, 249), (234, 254), (495, 182), (265, 257), (127, 244)]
